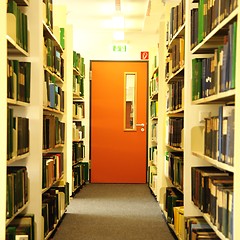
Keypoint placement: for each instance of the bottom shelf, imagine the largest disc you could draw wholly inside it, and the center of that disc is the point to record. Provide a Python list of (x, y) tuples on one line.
[(177, 228), (220, 235), (50, 233), (153, 191), (54, 205)]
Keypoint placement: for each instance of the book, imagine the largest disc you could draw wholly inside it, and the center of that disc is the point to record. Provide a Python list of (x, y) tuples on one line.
[(17, 189), (24, 225), (21, 24), (174, 198), (200, 190), (225, 118)]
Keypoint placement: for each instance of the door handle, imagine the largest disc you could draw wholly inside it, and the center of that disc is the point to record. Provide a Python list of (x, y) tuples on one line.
[(140, 125)]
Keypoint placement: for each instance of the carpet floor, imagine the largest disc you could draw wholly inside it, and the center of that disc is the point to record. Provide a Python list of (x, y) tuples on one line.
[(113, 212)]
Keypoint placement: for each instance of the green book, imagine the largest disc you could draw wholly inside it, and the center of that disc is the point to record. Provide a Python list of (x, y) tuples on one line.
[(196, 79), (27, 81), (10, 233), (200, 20), (233, 56), (10, 196), (13, 8), (62, 37), (16, 71), (81, 87)]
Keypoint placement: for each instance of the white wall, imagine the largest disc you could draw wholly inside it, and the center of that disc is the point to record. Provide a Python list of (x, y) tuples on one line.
[(98, 46)]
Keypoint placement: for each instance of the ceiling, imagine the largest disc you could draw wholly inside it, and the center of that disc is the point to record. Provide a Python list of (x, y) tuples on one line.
[(96, 15)]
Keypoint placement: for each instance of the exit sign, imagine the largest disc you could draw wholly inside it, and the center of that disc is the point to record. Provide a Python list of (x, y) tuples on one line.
[(119, 48), (144, 55)]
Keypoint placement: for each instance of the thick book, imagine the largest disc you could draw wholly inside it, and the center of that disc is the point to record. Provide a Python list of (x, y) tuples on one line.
[(200, 190)]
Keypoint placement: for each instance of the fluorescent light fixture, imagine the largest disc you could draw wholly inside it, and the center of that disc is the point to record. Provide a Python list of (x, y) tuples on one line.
[(118, 35), (118, 22)]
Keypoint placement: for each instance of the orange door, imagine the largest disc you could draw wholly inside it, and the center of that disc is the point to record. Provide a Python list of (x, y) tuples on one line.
[(118, 140)]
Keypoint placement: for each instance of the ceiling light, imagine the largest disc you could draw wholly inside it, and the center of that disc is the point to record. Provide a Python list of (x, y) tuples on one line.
[(118, 35), (118, 22)]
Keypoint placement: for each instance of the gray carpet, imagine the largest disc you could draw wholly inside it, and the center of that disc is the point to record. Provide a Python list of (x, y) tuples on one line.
[(113, 212)]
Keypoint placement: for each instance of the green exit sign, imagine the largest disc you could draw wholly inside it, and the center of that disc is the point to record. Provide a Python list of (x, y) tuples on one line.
[(119, 48)]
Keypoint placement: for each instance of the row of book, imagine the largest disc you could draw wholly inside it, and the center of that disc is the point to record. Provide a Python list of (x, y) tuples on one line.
[(80, 175), (212, 193), (207, 16), (78, 85), (17, 189), (198, 228), (20, 24), (175, 95), (78, 131), (153, 85), (17, 135), (78, 63), (185, 227), (53, 131), (153, 153), (48, 13), (174, 131), (154, 131), (78, 151), (175, 169), (179, 222), (52, 168), (53, 95), (173, 198), (154, 109), (175, 59), (177, 19), (216, 73), (59, 34), (52, 58), (54, 203), (78, 110), (18, 80), (152, 178), (219, 135), (21, 228)]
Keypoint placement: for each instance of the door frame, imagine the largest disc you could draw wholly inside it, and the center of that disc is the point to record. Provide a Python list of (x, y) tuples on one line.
[(90, 109)]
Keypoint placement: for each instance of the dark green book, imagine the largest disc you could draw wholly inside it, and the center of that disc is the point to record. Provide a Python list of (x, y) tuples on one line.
[(233, 56), (62, 38), (10, 233), (200, 20)]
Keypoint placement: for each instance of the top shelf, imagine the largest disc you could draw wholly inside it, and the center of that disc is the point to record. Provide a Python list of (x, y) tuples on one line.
[(48, 33), (179, 74), (222, 97), (14, 49), (155, 71), (216, 36), (179, 33), (22, 2)]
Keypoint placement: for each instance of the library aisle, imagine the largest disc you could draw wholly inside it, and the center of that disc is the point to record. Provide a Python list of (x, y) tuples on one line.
[(113, 211)]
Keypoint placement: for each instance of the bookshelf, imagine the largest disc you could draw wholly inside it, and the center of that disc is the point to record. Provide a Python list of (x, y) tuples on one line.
[(79, 166), (30, 106), (171, 151), (18, 121), (200, 112), (3, 104), (57, 105), (153, 126), (211, 100)]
